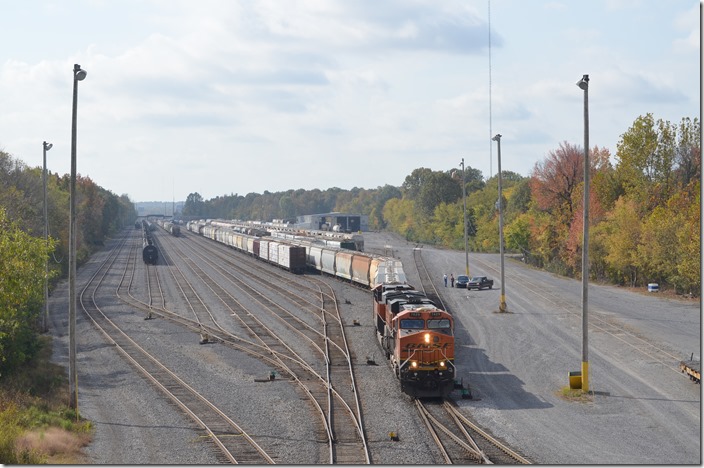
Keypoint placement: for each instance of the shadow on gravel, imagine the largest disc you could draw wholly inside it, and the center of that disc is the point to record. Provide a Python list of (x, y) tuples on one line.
[(107, 380), (494, 382), (149, 426)]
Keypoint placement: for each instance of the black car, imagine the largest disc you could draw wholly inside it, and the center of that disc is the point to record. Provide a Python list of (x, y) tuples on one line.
[(480, 282), (461, 281)]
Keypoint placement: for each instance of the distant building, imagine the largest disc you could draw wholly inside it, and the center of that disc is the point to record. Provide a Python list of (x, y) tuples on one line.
[(327, 222)]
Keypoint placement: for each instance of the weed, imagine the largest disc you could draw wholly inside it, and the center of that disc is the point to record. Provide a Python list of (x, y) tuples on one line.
[(36, 426)]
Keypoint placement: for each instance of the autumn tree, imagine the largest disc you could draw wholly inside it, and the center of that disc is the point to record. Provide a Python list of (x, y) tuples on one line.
[(554, 179)]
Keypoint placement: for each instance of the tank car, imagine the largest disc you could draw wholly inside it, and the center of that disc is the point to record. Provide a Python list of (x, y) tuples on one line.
[(150, 254)]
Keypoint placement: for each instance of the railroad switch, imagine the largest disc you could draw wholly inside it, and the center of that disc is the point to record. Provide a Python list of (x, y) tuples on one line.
[(203, 338), (371, 361), (149, 316), (356, 323), (393, 436), (272, 375)]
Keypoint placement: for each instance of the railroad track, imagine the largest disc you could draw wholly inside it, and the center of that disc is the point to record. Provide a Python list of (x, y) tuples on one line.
[(333, 394), (234, 444), (426, 280), (459, 440)]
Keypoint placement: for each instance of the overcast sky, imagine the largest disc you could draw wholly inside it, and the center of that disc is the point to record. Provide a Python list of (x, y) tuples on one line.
[(221, 97)]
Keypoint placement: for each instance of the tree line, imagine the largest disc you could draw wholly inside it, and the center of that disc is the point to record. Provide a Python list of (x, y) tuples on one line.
[(644, 210), (645, 217), (23, 251)]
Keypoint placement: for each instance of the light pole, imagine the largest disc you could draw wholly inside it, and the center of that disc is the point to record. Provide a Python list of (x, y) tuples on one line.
[(45, 327), (502, 300), (584, 85), (78, 75), (464, 211)]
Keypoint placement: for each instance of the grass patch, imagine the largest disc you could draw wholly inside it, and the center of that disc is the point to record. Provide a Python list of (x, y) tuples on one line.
[(575, 394), (36, 424)]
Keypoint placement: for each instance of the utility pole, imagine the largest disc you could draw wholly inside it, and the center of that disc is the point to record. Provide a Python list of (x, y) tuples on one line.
[(45, 325), (502, 300), (78, 75)]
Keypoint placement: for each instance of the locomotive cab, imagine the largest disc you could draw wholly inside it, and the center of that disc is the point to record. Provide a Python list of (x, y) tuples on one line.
[(424, 352)]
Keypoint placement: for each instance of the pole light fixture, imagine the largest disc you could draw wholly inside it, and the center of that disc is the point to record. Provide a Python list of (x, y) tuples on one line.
[(78, 75), (464, 216), (502, 300), (45, 324), (584, 86)]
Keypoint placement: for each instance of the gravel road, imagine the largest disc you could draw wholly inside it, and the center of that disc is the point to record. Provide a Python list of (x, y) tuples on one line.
[(643, 412), (516, 364)]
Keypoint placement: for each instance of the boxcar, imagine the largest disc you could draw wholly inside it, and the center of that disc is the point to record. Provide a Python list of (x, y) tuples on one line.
[(264, 249), (292, 257), (274, 252)]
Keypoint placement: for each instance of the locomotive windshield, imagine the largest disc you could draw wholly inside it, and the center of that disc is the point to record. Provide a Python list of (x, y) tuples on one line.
[(438, 323), (413, 323)]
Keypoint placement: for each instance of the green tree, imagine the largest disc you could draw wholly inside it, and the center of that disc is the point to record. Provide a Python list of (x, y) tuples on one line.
[(623, 235), (21, 292), (517, 234), (194, 205)]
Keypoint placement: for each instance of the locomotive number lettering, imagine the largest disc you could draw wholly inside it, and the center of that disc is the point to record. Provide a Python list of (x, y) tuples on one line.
[(412, 346)]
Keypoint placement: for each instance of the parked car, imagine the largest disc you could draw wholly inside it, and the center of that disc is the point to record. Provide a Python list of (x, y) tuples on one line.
[(461, 281), (480, 282)]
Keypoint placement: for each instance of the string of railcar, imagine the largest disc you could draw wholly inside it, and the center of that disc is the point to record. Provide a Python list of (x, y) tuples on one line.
[(416, 335)]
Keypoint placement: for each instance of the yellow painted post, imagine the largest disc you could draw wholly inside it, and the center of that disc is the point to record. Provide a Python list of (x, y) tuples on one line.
[(585, 376)]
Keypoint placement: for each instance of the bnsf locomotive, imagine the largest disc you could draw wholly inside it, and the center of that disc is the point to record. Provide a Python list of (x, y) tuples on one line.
[(417, 337)]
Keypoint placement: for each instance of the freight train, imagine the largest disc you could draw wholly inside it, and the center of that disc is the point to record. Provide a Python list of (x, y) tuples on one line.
[(150, 254), (416, 336), (344, 240)]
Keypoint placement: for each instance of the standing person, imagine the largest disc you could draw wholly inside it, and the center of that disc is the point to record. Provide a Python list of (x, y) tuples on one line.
[(444, 278), (452, 280)]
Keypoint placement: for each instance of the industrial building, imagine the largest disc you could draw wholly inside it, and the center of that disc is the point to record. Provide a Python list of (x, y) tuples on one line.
[(327, 221)]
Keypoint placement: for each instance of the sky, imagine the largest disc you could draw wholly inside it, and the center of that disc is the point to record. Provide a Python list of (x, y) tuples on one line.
[(228, 97)]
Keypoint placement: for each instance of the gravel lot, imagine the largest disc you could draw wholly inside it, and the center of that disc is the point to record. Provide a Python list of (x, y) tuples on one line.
[(516, 364)]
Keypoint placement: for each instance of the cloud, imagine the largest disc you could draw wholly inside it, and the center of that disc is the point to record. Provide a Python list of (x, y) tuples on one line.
[(688, 22)]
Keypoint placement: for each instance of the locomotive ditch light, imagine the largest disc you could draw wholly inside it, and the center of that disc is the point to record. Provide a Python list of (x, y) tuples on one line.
[(427, 337), (414, 364), (442, 363)]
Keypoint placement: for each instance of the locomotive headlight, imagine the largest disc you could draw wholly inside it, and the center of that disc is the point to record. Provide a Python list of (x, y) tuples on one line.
[(427, 337)]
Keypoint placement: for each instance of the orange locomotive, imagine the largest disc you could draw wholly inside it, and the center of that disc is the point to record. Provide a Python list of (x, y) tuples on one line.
[(417, 337)]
